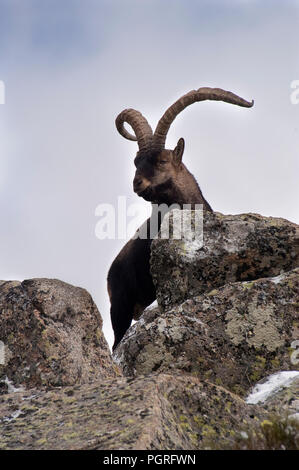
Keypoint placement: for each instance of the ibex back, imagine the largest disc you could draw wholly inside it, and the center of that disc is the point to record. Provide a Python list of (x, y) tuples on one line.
[(161, 178)]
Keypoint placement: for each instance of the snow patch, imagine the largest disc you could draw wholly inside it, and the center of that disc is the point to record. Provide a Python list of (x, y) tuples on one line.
[(13, 416), (274, 383), (10, 386), (278, 279)]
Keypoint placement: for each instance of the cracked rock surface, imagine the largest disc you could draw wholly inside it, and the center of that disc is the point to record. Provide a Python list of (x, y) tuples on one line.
[(234, 248), (209, 365), (160, 411), (233, 336), (51, 335)]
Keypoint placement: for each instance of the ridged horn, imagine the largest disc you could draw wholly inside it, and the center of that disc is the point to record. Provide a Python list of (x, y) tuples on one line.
[(143, 131), (202, 94)]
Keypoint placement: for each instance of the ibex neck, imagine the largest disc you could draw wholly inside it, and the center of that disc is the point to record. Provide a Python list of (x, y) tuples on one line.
[(184, 190)]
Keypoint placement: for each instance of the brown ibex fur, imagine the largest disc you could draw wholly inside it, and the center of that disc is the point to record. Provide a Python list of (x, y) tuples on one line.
[(161, 178)]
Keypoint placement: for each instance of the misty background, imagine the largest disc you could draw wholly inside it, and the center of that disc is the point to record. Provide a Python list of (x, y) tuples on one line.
[(71, 66)]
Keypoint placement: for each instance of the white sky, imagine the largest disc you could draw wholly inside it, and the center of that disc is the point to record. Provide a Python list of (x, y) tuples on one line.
[(70, 67)]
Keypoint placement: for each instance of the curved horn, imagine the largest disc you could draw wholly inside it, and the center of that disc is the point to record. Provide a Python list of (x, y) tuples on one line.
[(143, 131), (201, 94)]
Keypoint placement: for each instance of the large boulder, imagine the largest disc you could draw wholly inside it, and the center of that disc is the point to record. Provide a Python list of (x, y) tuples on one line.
[(227, 318), (233, 336), (50, 335), (162, 412), (225, 248)]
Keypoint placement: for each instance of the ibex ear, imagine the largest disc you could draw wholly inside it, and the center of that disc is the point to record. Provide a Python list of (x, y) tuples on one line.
[(178, 151)]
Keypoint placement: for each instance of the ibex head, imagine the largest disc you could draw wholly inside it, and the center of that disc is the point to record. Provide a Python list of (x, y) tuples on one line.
[(156, 167)]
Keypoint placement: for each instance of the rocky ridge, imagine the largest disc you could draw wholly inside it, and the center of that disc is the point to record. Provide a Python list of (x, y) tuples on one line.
[(183, 375)]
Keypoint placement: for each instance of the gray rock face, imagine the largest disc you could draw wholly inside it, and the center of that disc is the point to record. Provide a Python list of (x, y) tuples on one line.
[(162, 411), (51, 335), (235, 248), (227, 319), (233, 336)]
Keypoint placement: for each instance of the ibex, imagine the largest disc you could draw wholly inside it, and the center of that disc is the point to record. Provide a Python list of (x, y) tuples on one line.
[(161, 178)]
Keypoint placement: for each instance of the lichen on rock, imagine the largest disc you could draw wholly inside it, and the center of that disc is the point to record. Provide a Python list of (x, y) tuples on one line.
[(234, 335), (156, 412), (227, 319), (235, 248)]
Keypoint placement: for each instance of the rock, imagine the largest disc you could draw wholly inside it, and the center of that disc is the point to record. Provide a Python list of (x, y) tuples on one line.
[(156, 412), (232, 336), (226, 320), (51, 335), (234, 248)]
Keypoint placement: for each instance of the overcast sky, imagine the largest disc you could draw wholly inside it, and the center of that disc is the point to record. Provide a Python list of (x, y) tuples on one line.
[(71, 66)]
